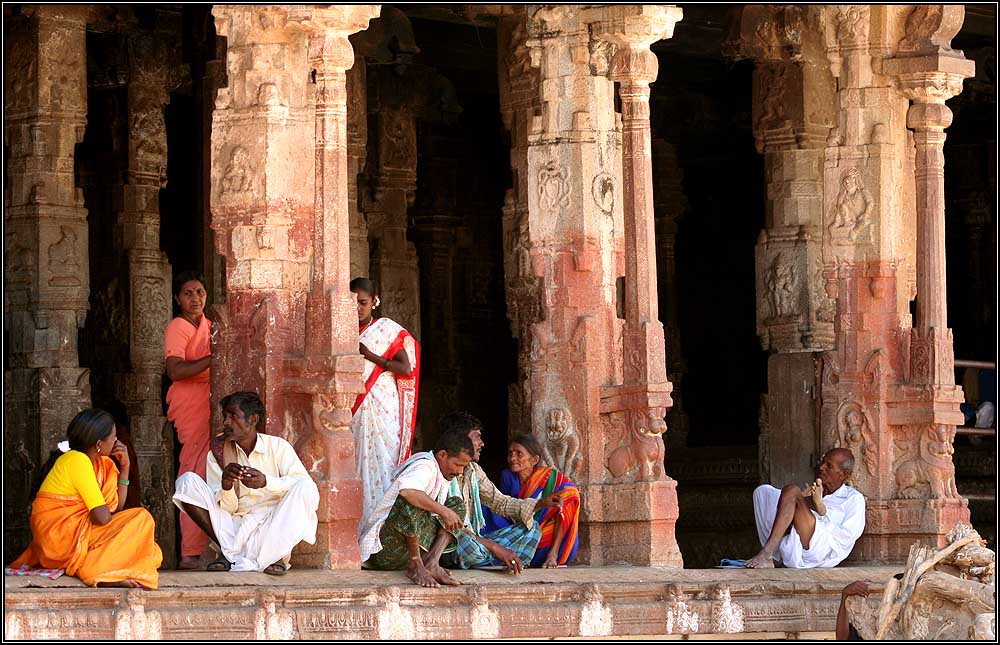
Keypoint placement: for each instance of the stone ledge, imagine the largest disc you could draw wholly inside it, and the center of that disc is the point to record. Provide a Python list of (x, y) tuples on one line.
[(565, 603)]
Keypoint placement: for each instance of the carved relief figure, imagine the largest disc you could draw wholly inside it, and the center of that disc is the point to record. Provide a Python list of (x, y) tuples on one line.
[(62, 259), (603, 190), (854, 432), (853, 208), (644, 448), (553, 186), (562, 443), (239, 173), (780, 283), (931, 469), (921, 25), (773, 89)]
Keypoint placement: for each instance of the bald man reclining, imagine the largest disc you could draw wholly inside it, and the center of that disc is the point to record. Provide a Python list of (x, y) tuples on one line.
[(814, 527)]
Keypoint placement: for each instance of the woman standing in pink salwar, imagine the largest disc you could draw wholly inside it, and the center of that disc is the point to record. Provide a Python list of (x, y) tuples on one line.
[(187, 350)]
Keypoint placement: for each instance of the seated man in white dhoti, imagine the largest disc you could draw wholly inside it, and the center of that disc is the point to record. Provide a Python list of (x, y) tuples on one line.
[(812, 527), (261, 504)]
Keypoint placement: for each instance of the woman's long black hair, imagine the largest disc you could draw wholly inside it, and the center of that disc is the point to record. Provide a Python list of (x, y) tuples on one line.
[(86, 429)]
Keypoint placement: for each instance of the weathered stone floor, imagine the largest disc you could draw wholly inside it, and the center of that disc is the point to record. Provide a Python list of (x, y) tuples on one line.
[(565, 603)]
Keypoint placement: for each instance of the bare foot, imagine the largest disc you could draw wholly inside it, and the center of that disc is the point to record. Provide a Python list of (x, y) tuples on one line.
[(442, 575), (550, 563), (817, 497), (128, 583), (762, 560), (189, 562), (420, 575)]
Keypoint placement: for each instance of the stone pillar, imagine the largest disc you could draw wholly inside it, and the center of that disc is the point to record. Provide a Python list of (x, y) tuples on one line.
[(154, 71), (928, 73), (644, 394), (357, 150), (323, 384), (392, 182), (519, 102), (881, 396), (46, 265), (670, 206), (793, 111)]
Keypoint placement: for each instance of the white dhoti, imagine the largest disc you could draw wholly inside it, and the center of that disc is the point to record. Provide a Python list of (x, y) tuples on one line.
[(266, 534), (790, 552)]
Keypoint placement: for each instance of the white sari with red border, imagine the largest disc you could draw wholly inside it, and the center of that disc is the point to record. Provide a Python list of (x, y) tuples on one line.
[(385, 415)]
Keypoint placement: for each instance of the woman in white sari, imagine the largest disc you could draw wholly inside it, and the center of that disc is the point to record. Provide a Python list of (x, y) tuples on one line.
[(385, 415)]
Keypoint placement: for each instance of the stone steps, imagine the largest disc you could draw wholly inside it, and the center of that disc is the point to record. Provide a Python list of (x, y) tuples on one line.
[(564, 603)]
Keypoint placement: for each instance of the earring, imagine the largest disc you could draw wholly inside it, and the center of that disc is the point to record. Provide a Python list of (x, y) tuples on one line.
[(98, 448)]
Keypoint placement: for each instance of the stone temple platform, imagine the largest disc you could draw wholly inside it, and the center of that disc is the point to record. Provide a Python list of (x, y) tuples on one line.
[(587, 602)]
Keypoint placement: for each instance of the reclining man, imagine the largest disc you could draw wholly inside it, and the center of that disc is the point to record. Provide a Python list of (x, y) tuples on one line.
[(815, 527), (261, 504), (415, 521), (511, 546)]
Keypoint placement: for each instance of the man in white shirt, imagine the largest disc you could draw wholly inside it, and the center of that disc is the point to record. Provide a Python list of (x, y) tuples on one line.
[(415, 521), (815, 527), (261, 504)]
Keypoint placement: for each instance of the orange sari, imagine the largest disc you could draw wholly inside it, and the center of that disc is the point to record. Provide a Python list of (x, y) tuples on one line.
[(189, 409), (65, 538)]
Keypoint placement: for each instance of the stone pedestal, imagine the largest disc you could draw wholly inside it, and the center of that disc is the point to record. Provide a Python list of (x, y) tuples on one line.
[(46, 265)]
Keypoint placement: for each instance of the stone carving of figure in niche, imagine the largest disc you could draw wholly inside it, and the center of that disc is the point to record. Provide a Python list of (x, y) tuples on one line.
[(62, 257), (562, 443), (780, 283), (853, 208), (239, 174)]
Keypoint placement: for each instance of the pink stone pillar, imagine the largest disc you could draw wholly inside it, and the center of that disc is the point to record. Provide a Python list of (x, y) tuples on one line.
[(325, 381), (639, 404)]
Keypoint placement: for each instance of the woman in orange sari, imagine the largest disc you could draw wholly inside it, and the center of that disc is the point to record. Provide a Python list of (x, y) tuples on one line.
[(526, 478), (77, 519), (187, 349)]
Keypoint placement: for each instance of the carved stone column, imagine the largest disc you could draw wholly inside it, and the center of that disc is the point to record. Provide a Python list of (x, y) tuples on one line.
[(519, 102), (323, 384), (928, 73), (46, 265), (612, 408), (793, 111), (880, 396), (357, 151), (392, 180), (154, 71), (670, 207)]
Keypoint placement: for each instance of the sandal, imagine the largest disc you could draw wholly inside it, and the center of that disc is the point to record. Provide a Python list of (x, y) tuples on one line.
[(219, 564), (276, 569)]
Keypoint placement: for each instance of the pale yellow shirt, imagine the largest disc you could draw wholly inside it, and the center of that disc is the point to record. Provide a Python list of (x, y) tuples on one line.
[(272, 456)]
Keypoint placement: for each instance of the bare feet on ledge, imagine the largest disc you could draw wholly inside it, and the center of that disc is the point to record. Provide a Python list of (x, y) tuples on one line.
[(189, 562), (762, 560), (420, 575), (128, 583), (442, 575)]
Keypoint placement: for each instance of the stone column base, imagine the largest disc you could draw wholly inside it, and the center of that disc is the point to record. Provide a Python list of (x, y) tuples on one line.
[(893, 526), (629, 523), (337, 534)]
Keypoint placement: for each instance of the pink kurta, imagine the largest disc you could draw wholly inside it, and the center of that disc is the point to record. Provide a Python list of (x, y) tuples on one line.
[(189, 409)]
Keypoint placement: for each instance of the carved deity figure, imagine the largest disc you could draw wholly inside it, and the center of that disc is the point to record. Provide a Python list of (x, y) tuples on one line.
[(62, 253), (553, 186), (854, 433), (945, 594), (562, 443), (239, 175), (853, 208), (780, 284)]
